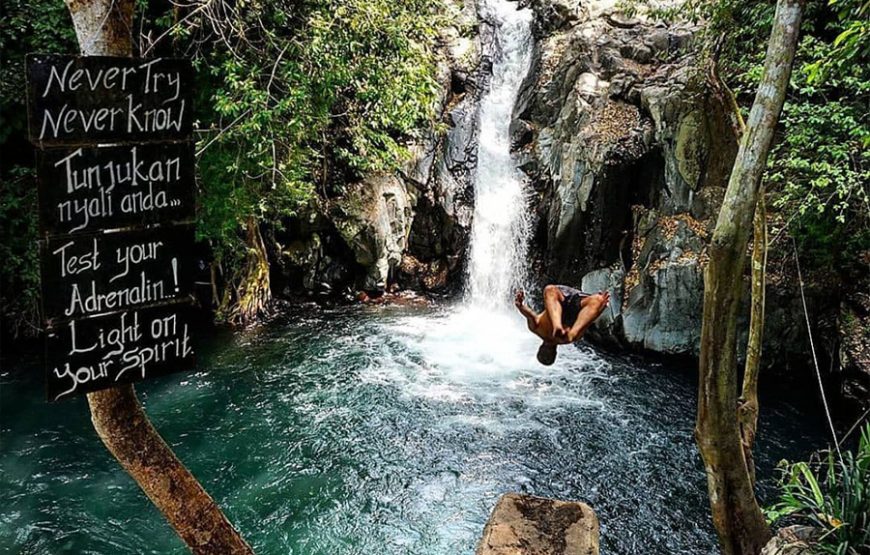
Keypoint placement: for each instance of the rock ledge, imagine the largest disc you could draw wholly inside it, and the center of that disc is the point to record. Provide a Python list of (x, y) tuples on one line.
[(528, 525)]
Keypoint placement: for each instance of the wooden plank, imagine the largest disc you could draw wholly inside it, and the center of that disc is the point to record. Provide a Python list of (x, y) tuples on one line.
[(83, 275), (88, 100), (86, 189), (104, 351)]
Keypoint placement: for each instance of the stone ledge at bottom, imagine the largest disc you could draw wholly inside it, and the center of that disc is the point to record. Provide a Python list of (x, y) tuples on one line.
[(527, 525)]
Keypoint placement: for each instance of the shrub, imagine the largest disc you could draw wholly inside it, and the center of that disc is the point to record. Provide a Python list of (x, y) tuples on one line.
[(27, 26), (831, 494)]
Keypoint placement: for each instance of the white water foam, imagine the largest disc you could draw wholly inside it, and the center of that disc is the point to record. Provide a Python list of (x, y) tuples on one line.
[(475, 355)]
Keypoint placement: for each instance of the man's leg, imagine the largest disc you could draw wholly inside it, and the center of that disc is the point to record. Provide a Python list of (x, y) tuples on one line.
[(553, 298), (591, 308)]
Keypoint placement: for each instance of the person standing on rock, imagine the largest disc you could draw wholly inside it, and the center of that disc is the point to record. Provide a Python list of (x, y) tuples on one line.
[(566, 316)]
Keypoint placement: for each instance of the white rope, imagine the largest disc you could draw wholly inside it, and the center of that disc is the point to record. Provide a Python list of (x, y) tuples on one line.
[(813, 350)]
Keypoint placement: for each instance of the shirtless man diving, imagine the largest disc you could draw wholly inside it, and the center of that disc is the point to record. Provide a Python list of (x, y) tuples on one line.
[(567, 314)]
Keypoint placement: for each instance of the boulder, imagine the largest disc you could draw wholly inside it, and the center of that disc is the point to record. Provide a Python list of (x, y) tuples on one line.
[(420, 276), (374, 218), (528, 525), (309, 255), (663, 312), (608, 327), (793, 540)]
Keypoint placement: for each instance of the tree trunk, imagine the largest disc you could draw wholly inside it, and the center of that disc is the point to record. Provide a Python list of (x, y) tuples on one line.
[(737, 517), (104, 28), (747, 407), (254, 289), (129, 436)]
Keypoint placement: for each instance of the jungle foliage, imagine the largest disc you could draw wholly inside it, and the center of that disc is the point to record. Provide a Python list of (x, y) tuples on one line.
[(818, 174), (26, 27), (294, 99), (831, 493), (819, 169), (298, 97)]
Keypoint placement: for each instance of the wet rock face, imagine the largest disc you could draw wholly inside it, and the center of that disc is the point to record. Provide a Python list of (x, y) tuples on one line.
[(442, 222), (373, 219), (421, 214), (309, 263), (553, 15), (441, 227), (630, 158), (527, 525)]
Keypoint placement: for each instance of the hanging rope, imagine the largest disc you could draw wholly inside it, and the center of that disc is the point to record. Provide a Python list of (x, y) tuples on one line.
[(813, 350)]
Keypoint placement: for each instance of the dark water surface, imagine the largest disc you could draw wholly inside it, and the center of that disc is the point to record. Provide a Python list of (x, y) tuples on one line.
[(380, 431)]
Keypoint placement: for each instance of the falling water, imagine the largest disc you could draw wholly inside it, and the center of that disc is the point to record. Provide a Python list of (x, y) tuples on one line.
[(499, 235)]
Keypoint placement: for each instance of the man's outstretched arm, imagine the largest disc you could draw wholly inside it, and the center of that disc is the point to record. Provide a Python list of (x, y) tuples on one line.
[(531, 317)]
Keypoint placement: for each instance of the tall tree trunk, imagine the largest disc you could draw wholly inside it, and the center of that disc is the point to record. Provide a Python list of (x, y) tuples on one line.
[(747, 407), (737, 517), (104, 28)]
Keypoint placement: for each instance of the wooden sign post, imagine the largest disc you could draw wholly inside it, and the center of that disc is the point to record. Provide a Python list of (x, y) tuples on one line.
[(116, 192)]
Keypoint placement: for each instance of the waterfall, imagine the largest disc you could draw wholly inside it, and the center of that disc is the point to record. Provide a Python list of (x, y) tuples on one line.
[(500, 228)]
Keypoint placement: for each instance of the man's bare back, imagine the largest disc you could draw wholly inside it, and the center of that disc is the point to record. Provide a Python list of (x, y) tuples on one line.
[(566, 316)]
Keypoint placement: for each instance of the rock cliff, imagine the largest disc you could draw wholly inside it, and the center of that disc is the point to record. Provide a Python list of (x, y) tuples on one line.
[(629, 152), (410, 227), (630, 158)]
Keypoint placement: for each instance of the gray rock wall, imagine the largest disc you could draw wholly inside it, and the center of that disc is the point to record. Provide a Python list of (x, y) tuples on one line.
[(628, 157), (439, 234), (629, 154)]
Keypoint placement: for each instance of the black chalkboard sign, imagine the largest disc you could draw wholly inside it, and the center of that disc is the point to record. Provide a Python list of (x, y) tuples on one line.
[(75, 100), (85, 189), (104, 351), (84, 275), (116, 175)]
